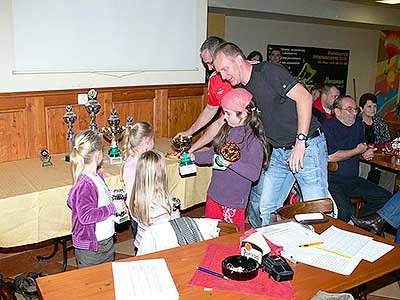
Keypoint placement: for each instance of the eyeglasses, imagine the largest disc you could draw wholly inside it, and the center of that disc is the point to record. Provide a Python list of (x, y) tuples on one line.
[(350, 109)]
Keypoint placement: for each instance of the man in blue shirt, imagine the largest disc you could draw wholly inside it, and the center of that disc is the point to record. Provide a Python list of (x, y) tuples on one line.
[(346, 142)]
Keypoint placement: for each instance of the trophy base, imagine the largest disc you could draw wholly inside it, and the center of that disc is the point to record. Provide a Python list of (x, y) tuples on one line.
[(187, 170), (216, 165), (120, 219), (46, 164), (115, 160)]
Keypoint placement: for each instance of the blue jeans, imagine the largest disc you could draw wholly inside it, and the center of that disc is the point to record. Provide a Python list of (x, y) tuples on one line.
[(275, 183), (391, 213)]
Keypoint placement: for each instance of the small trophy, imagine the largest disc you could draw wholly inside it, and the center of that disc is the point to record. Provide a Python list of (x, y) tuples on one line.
[(129, 121), (119, 195), (230, 153), (45, 157), (186, 165), (114, 133), (93, 107), (69, 119)]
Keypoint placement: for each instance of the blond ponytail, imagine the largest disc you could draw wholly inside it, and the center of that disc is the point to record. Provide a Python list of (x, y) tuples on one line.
[(85, 143)]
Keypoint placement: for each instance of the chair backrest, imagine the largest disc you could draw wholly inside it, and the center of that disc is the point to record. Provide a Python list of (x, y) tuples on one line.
[(313, 206)]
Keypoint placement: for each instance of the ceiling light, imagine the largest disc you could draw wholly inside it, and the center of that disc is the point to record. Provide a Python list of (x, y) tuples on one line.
[(389, 1)]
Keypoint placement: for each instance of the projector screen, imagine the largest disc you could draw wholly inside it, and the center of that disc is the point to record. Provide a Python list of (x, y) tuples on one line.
[(104, 36)]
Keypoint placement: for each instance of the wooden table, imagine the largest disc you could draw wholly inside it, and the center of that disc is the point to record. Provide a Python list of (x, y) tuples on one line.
[(97, 282), (33, 198), (385, 162)]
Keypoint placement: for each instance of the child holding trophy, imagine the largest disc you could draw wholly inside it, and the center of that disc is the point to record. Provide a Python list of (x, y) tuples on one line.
[(90, 201), (239, 152), (138, 138), (151, 202)]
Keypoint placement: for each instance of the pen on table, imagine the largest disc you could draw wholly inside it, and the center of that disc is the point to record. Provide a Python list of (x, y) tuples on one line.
[(292, 259), (211, 272), (310, 244)]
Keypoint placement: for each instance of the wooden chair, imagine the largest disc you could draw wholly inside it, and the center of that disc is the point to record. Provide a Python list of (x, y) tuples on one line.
[(356, 201), (314, 206), (227, 228)]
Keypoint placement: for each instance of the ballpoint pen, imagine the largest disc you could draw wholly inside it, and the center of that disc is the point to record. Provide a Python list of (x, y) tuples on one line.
[(211, 272), (310, 244)]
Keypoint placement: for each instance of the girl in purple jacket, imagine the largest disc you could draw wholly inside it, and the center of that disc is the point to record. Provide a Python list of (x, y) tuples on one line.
[(230, 185), (90, 201)]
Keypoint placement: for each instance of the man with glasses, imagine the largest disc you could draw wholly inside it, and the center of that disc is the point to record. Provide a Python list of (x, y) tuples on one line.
[(322, 105), (346, 142)]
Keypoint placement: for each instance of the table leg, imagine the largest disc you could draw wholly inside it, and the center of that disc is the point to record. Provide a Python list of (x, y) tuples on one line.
[(63, 242)]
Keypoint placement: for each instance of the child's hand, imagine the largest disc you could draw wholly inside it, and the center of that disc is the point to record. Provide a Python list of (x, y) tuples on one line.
[(224, 162), (191, 156), (120, 206)]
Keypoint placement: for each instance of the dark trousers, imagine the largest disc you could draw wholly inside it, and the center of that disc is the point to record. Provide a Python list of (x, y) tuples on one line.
[(343, 188)]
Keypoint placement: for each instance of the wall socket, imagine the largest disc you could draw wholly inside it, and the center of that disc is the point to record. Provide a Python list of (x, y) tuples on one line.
[(83, 99)]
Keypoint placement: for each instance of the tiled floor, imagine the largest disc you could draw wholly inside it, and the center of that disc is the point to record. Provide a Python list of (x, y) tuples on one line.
[(23, 260)]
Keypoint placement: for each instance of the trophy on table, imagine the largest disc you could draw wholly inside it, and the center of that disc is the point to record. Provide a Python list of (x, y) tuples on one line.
[(45, 157), (129, 121), (114, 133), (93, 107), (69, 119), (186, 165)]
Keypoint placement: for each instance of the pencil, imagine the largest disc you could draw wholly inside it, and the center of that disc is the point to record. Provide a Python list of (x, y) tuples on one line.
[(211, 272), (310, 244)]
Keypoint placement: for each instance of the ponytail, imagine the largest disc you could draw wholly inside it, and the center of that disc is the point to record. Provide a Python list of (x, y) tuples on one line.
[(134, 134), (85, 143), (256, 125)]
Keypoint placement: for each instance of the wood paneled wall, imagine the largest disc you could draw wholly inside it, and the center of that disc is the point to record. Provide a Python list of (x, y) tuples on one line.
[(31, 121)]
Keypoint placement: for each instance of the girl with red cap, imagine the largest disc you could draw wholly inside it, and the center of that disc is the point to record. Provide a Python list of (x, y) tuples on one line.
[(231, 181)]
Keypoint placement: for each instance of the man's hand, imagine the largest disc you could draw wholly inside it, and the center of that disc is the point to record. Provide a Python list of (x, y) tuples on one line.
[(369, 154), (183, 133), (361, 148), (297, 156)]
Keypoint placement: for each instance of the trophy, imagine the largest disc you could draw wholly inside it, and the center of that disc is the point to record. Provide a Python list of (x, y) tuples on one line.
[(186, 165), (69, 119), (114, 133), (45, 157), (119, 195), (129, 121), (230, 153), (93, 107)]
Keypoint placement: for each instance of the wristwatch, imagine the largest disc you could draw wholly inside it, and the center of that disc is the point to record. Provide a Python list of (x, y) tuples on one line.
[(301, 137)]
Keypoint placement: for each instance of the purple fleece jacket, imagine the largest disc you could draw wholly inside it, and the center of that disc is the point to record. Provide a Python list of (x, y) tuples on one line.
[(231, 187), (83, 200)]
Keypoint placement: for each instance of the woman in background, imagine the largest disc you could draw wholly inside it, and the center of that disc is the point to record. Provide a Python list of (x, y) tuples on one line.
[(376, 128)]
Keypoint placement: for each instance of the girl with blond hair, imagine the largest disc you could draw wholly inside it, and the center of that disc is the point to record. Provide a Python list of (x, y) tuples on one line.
[(138, 138), (151, 202), (90, 201)]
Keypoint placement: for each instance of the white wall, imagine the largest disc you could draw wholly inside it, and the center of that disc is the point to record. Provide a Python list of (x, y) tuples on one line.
[(254, 34), (15, 83), (380, 15)]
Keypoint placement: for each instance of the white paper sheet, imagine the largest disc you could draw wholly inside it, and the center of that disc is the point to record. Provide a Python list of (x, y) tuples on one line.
[(143, 280), (374, 250), (340, 252)]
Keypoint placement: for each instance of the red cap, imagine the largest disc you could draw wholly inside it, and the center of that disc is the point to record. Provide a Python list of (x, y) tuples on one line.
[(236, 100)]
